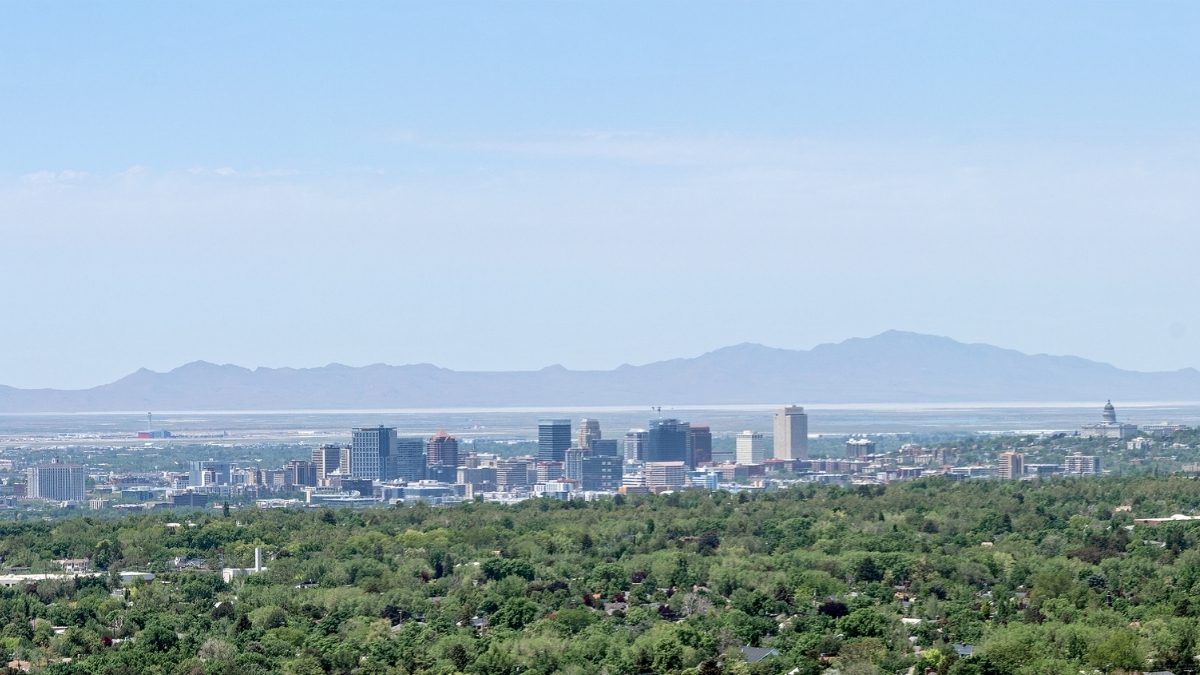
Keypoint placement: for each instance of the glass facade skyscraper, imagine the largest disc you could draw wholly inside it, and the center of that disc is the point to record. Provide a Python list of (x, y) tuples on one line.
[(369, 452), (554, 438), (668, 440)]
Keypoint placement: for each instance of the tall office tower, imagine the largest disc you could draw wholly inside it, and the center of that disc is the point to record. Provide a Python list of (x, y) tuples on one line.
[(589, 430), (554, 437), (668, 440), (605, 446), (301, 473), (369, 452), (209, 472), (407, 461), (327, 459), (751, 448), (56, 482), (602, 472), (635, 444), (573, 464), (1010, 465), (859, 447), (701, 445), (1082, 465), (442, 450), (791, 433)]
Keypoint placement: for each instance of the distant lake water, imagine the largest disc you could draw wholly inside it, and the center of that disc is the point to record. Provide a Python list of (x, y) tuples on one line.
[(521, 423)]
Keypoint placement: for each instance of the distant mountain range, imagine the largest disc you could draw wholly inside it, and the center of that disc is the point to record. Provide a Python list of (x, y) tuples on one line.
[(893, 367)]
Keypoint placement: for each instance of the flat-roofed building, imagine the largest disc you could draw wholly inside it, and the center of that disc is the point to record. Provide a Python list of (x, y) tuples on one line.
[(666, 475), (326, 458), (859, 447), (791, 433), (370, 449), (573, 464), (407, 460), (1010, 466), (602, 472), (512, 474), (668, 440), (1082, 465), (56, 482), (701, 444), (751, 448), (554, 438), (635, 445)]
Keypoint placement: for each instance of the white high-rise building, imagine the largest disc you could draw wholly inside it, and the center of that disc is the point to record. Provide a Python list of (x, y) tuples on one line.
[(635, 444), (573, 464), (791, 433), (56, 482), (751, 448), (1082, 465)]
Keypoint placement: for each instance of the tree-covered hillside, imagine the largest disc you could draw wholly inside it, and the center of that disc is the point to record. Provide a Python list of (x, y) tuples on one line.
[(1033, 577)]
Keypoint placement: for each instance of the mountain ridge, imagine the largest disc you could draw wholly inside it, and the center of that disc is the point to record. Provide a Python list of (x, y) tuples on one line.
[(891, 367)]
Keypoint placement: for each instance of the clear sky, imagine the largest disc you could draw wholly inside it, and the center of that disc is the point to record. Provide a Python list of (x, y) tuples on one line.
[(505, 185)]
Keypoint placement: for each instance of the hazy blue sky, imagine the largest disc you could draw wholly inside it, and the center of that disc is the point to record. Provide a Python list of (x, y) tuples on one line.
[(510, 185)]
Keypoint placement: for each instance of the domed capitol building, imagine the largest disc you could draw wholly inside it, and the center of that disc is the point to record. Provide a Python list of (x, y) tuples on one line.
[(1109, 427)]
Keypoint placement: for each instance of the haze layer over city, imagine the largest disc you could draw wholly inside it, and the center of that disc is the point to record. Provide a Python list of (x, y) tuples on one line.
[(599, 338)]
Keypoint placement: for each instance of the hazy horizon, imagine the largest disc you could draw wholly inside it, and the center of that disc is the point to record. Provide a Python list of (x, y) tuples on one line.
[(504, 187), (616, 366)]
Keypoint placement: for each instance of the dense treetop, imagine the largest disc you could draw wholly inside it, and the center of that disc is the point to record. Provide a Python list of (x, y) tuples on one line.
[(1036, 577)]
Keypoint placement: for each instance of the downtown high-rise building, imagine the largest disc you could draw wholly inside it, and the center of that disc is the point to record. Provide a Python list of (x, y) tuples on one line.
[(751, 448), (668, 440), (1081, 465), (554, 438), (666, 475), (301, 473), (589, 430), (601, 472), (791, 433), (407, 460), (369, 452), (203, 473), (442, 450), (701, 444), (326, 459), (634, 447), (573, 464), (857, 448), (512, 474), (56, 482), (1010, 466)]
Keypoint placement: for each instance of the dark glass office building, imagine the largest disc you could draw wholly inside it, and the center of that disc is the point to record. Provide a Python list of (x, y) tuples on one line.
[(607, 447), (602, 472), (668, 440), (554, 438), (407, 461), (701, 446)]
